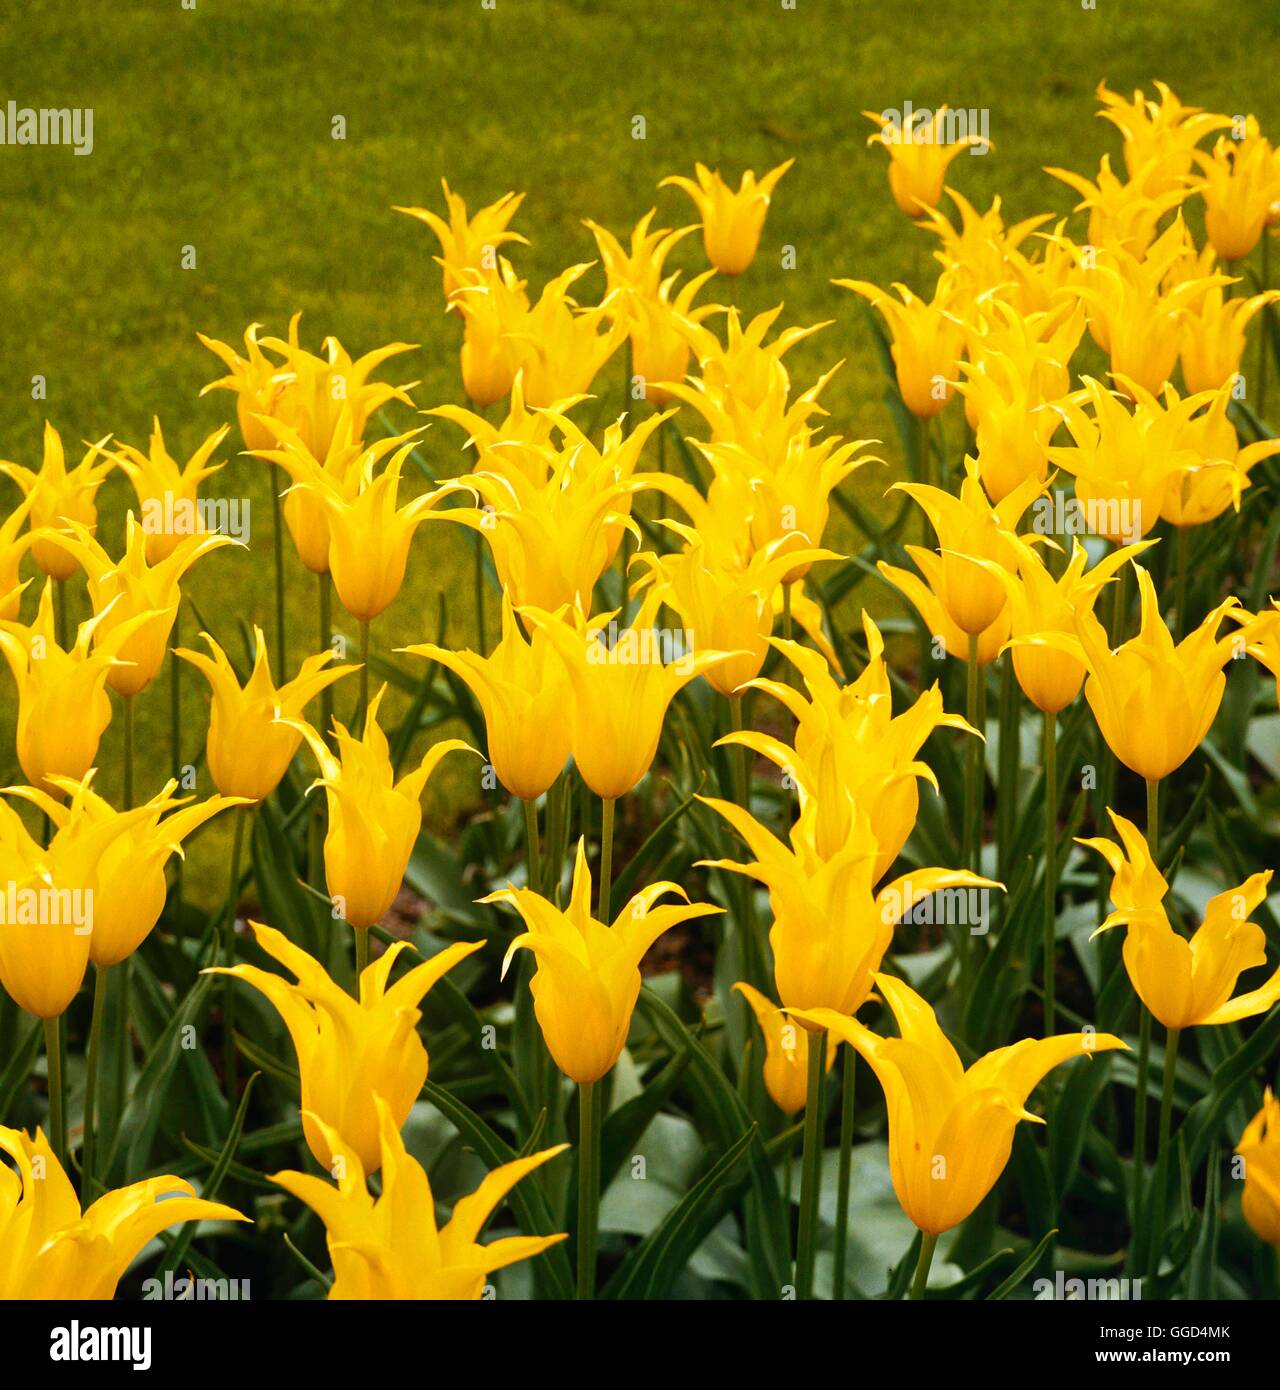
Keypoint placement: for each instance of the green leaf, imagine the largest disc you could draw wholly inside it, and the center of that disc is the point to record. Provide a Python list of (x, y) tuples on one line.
[(1003, 1290)]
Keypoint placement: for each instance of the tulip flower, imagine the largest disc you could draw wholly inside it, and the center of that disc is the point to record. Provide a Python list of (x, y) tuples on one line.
[(1013, 425), (1259, 1146), (54, 1251), (744, 371), (57, 495), (257, 381), (786, 1056), (938, 621), (469, 244), (1240, 187), (167, 492), (950, 1129), (493, 443), (1159, 137), (1155, 700), (1186, 984), (731, 221), (1202, 490), (660, 344), (1264, 641), (1125, 460), (136, 597), (851, 753), (1122, 213), (493, 307), (919, 156), (253, 733), (62, 700), (389, 1247), (635, 272), (620, 691), (14, 544), (831, 927), (927, 341), (1213, 338), (341, 469), (373, 819), (587, 978), (970, 530), (981, 258), (520, 687), (1027, 352), (352, 1052), (561, 347)]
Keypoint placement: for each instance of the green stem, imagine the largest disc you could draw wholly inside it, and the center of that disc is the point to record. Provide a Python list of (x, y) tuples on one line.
[(364, 678), (63, 614), (175, 751), (362, 954), (326, 642), (1182, 558), (588, 1187), (1050, 867), (229, 959), (741, 756), (1140, 1120), (786, 614), (811, 1167), (1156, 1205), (971, 833), (555, 837), (926, 464), (533, 850), (606, 858), (1153, 819), (1263, 326), (845, 1176), (91, 1074), (57, 1095), (278, 543), (1007, 801), (128, 752), (923, 1264), (478, 582)]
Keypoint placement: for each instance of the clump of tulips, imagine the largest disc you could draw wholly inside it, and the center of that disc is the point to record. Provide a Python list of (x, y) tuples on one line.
[(976, 778)]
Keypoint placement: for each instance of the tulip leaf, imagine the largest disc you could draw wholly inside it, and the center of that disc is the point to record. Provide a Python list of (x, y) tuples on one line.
[(624, 1128), (655, 1264), (1019, 1275), (526, 1197), (624, 885), (1203, 1122), (1071, 1119), (16, 1075)]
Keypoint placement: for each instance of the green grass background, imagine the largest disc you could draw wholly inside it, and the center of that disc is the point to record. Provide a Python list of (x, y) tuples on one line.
[(213, 129)]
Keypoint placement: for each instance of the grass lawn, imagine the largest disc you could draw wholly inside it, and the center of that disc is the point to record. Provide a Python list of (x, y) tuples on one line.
[(213, 130)]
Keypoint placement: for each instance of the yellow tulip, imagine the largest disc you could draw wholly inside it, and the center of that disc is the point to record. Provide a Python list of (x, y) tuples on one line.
[(1028, 352), (1240, 188), (373, 819), (469, 244), (251, 738), (1186, 984), (786, 1055), (955, 640), (127, 881), (522, 425), (621, 690), (1122, 213), (1125, 460), (730, 608), (744, 371), (1213, 337), (1264, 641), (981, 259), (635, 272), (1159, 137), (1039, 603), (927, 342), (731, 221), (919, 156), (1259, 1146), (1155, 701), (1012, 423), (851, 753), (1202, 490), (561, 347), (520, 687), (342, 469), (587, 978), (137, 598), (369, 537), (970, 530), (168, 493), (257, 381), (950, 1129), (660, 344), (45, 950), (14, 544), (389, 1247), (62, 700), (57, 495), (831, 927), (494, 308), (351, 1051), (54, 1251)]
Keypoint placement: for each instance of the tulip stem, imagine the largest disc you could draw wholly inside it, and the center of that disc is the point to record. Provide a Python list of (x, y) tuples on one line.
[(128, 752), (1050, 867), (364, 675), (555, 834), (588, 1187), (1156, 1200), (971, 832), (741, 757), (845, 1177), (1262, 327), (57, 1098), (606, 858), (91, 1074), (533, 850), (278, 544), (1007, 800), (1153, 819), (1182, 558), (811, 1167), (326, 644), (926, 467), (786, 611), (63, 614), (362, 954), (229, 959), (927, 1245), (479, 593), (1140, 1115)]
